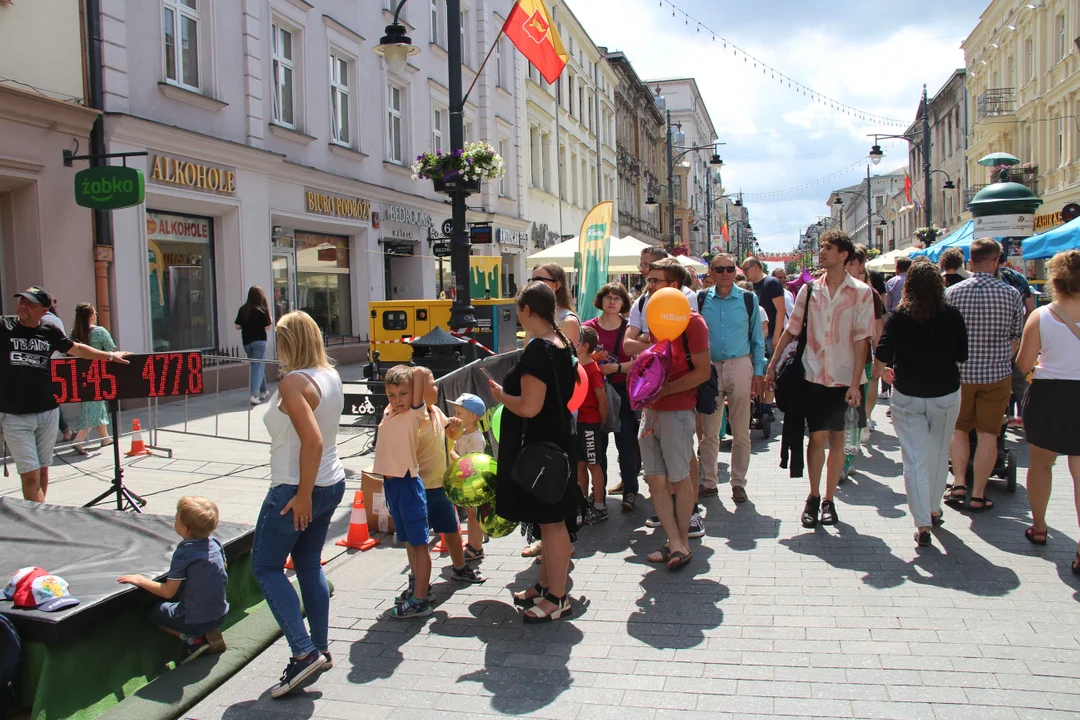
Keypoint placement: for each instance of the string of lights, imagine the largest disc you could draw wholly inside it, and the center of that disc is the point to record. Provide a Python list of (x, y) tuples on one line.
[(782, 78)]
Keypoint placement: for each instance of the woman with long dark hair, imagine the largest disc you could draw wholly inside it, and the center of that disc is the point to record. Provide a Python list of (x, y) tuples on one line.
[(534, 397), (92, 414), (921, 347), (1051, 347), (253, 320)]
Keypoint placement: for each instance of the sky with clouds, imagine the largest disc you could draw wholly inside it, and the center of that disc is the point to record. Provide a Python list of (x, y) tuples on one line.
[(869, 54)]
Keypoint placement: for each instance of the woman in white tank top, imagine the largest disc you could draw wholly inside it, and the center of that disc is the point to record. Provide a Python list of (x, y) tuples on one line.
[(1051, 421), (307, 483)]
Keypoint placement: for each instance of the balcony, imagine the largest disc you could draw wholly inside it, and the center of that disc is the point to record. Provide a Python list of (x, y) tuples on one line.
[(995, 102)]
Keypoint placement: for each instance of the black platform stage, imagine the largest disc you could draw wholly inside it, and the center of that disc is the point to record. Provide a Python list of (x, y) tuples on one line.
[(90, 548)]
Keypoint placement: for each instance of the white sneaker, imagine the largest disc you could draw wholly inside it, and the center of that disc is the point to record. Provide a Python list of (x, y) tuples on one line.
[(264, 395), (255, 400)]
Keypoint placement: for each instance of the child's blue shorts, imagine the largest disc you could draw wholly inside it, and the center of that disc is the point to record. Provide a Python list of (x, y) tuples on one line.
[(408, 508)]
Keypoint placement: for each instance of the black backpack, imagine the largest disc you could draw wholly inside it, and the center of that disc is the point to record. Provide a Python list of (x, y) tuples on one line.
[(749, 300), (10, 651)]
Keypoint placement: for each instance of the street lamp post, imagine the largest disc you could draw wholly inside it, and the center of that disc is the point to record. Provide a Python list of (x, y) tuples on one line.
[(924, 147), (395, 47)]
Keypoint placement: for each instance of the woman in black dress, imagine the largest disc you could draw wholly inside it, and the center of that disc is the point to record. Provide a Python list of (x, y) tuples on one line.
[(534, 398)]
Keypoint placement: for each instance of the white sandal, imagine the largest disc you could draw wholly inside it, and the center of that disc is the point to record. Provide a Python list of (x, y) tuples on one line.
[(562, 607)]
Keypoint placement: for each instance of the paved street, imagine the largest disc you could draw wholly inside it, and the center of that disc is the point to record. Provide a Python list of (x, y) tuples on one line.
[(768, 619)]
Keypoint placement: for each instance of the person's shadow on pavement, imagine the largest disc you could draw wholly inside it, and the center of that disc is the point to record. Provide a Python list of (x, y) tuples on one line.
[(742, 527)]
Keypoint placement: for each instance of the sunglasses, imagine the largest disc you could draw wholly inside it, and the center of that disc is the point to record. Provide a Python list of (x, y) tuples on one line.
[(723, 268), (544, 279)]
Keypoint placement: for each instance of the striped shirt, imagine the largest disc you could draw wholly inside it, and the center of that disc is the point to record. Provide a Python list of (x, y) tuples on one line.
[(994, 315)]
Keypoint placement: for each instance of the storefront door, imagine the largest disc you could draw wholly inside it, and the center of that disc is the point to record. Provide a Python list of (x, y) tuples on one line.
[(284, 300)]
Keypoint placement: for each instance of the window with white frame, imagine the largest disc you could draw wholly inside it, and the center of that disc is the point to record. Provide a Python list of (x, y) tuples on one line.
[(438, 25), (466, 50), (504, 153), (1030, 47), (438, 129), (1063, 45), (395, 124), (339, 99), (467, 127), (180, 32), (1061, 141), (500, 79), (283, 75)]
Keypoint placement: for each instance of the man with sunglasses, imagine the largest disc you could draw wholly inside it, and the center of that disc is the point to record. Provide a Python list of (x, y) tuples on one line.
[(737, 351)]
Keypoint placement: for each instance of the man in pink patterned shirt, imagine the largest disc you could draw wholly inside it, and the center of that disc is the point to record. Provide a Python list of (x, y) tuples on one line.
[(839, 325)]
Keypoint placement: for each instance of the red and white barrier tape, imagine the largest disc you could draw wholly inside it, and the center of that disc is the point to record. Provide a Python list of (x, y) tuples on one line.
[(470, 340), (391, 342)]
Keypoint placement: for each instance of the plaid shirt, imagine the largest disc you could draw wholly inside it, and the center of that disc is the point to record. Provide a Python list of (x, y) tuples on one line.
[(994, 315)]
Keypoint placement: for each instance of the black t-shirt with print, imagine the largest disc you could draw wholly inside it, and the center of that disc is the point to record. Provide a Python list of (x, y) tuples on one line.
[(25, 379)]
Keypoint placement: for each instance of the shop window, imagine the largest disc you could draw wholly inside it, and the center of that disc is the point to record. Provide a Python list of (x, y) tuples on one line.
[(180, 28), (322, 281), (181, 275), (283, 71)]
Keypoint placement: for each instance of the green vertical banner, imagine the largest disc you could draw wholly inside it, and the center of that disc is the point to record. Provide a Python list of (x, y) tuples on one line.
[(594, 244)]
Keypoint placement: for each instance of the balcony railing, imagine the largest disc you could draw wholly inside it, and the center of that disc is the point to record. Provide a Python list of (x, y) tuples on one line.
[(995, 102)]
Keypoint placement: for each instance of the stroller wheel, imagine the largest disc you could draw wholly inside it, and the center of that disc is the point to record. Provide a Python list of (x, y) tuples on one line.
[(1010, 471)]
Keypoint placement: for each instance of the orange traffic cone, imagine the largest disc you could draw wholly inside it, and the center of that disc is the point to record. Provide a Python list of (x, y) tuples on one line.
[(289, 563), (442, 547), (358, 537), (138, 447)]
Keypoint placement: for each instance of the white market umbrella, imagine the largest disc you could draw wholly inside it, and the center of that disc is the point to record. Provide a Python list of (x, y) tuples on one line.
[(887, 262), (691, 264), (624, 255)]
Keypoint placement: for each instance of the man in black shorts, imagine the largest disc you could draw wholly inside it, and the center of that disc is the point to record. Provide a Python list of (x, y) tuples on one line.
[(28, 410)]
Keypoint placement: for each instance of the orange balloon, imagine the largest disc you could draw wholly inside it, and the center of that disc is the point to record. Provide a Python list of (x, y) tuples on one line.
[(581, 389), (667, 313)]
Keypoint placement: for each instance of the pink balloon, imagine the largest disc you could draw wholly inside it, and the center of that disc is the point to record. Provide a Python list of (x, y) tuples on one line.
[(648, 374), (581, 388), (804, 278)]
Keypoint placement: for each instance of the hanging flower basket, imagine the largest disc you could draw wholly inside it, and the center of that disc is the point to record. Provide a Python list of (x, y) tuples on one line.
[(461, 170), (929, 235)]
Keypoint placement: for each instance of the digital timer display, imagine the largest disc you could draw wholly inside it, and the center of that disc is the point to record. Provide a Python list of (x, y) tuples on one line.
[(145, 376)]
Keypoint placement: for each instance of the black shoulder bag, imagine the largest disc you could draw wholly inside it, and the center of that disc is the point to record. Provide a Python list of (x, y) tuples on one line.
[(790, 375), (708, 392), (543, 468)]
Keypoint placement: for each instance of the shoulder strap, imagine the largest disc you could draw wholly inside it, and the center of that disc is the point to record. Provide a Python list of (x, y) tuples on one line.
[(701, 295), (749, 300), (641, 302), (619, 337), (1065, 319)]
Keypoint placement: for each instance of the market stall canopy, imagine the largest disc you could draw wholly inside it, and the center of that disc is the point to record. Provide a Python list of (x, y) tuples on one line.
[(887, 262), (625, 254), (962, 239), (691, 264), (1050, 243)]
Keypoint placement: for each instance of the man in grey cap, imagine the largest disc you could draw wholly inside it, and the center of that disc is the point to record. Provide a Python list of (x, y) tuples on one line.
[(28, 409)]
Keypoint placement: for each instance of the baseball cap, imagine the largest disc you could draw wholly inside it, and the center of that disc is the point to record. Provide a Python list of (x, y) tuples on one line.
[(472, 403), (50, 593), (36, 295), (26, 573)]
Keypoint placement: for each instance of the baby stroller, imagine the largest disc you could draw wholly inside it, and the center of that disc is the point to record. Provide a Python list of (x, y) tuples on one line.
[(759, 420), (1004, 467)]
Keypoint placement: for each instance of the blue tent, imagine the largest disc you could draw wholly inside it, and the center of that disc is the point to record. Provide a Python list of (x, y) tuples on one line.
[(961, 238), (1050, 243)]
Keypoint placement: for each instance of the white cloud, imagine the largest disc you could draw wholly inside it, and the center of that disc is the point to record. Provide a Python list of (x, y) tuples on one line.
[(777, 138)]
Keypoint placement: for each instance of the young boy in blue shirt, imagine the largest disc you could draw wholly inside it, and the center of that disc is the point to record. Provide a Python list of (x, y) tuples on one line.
[(197, 575)]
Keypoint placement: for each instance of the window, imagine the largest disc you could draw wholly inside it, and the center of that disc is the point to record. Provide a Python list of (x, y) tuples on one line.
[(395, 147), (546, 160), (1063, 46), (1030, 46), (181, 281), (466, 52), (1012, 71), (1061, 141), (504, 152), (283, 71), (438, 31), (536, 157), (437, 125), (677, 188), (339, 100), (467, 131), (500, 79), (181, 39), (322, 277)]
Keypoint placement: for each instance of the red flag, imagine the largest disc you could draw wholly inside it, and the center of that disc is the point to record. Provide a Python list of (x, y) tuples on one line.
[(532, 30), (907, 186)]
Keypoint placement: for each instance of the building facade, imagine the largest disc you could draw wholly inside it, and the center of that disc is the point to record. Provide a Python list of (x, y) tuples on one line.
[(279, 150), (572, 158), (692, 177), (1023, 96), (948, 152), (640, 143), (45, 238), (848, 207)]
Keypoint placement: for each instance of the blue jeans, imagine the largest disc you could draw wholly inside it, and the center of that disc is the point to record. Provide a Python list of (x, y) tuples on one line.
[(257, 351), (275, 540), (626, 442), (924, 427)]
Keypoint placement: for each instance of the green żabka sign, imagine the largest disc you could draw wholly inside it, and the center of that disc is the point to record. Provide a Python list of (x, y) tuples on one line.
[(109, 187)]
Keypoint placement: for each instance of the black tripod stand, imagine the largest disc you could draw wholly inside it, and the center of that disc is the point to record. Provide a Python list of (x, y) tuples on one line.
[(118, 490)]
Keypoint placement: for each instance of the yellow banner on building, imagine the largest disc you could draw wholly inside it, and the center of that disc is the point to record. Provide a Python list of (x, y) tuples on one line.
[(485, 277)]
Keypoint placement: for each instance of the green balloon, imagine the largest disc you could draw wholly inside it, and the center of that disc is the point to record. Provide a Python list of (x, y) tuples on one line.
[(470, 481), (496, 424), (494, 525)]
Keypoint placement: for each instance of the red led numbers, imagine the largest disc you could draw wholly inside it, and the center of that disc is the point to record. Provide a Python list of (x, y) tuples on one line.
[(60, 386), (149, 375), (158, 375), (194, 366)]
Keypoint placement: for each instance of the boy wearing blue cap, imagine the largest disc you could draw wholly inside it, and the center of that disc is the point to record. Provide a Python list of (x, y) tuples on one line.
[(469, 409)]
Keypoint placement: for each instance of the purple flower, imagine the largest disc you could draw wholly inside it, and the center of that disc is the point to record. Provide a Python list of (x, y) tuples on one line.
[(459, 153)]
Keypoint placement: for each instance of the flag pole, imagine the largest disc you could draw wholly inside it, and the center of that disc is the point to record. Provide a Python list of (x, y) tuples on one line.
[(483, 65)]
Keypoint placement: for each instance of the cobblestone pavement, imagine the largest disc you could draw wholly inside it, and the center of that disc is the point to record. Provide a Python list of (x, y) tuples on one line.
[(768, 619)]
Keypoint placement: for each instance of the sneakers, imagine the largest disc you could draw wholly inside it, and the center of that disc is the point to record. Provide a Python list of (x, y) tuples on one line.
[(810, 511), (597, 514), (704, 492), (697, 526), (298, 670), (653, 522), (629, 502), (329, 660), (194, 649), (467, 573), (264, 395), (738, 494), (828, 513), (255, 400), (408, 592), (411, 608)]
